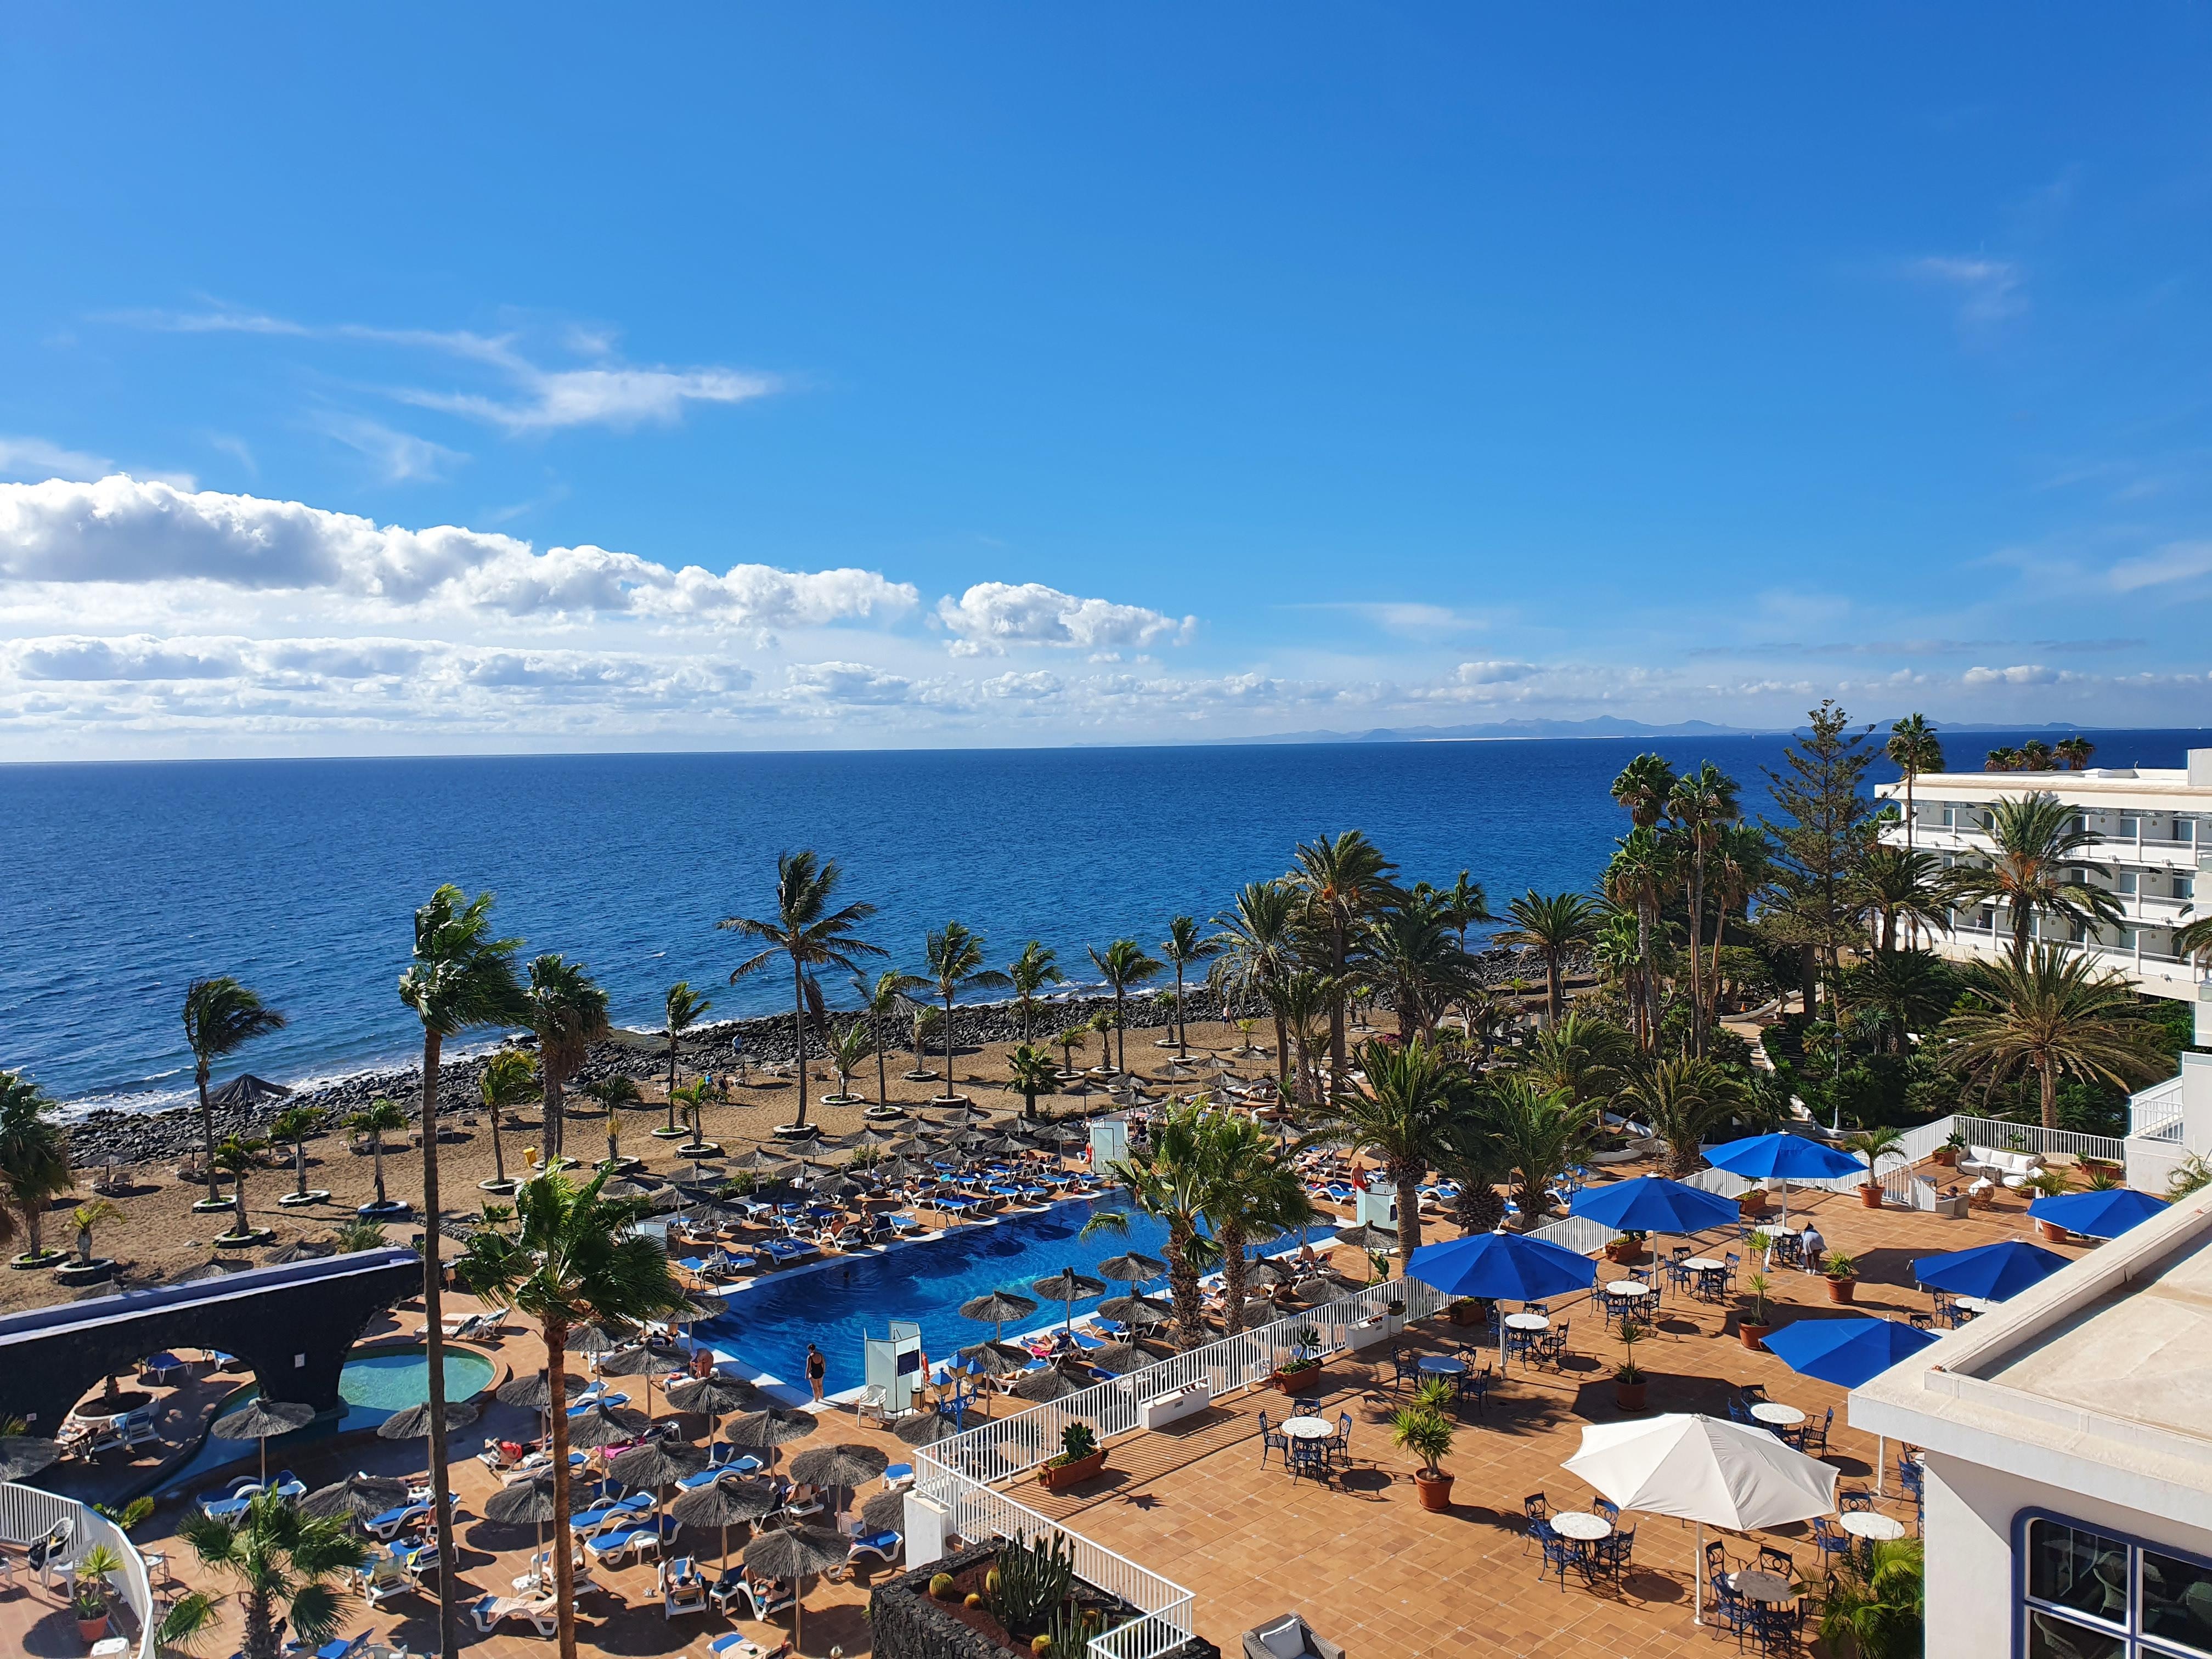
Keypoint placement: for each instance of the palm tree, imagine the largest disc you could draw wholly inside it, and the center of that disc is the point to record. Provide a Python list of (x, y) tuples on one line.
[(1582, 1057), (2052, 1013), (2035, 756), (85, 1217), (880, 998), (220, 1018), (1167, 1178), (1552, 926), (1402, 1116), (1031, 1070), (572, 1257), (612, 1094), (567, 1009), (2002, 760), (954, 965), (1029, 974), (1259, 940), (1301, 1002), (1683, 1100), (1070, 1039), (1641, 870), (1252, 1192), (294, 1124), (1703, 804), (1620, 962), (1412, 953), (1743, 865), (1914, 748), (1469, 1154), (1907, 991), (1643, 789), (2195, 940), (807, 930), (1343, 880), (508, 1079), (848, 1049), (684, 1008), (1540, 1135), (2075, 753), (290, 1568), (1185, 947), (460, 978), (1895, 884), (236, 1158), (1123, 966), (377, 1120), (34, 1167), (1462, 904), (2038, 838)]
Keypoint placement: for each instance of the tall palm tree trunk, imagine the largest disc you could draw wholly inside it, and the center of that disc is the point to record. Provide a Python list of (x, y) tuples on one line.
[(1233, 1266), (882, 1076), (1336, 1065), (1120, 1034), (376, 1156), (1697, 896), (1406, 1176), (1647, 921), (1183, 1033), (207, 1129), (799, 1018), (672, 1076), (259, 1620), (556, 1117), (563, 1548), (1184, 1291), (2048, 1079), (434, 1344), (950, 1089)]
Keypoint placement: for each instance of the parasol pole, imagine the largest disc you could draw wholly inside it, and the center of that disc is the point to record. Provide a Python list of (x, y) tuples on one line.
[(1697, 1572)]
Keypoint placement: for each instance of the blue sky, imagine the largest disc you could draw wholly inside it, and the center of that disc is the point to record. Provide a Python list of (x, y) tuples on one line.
[(826, 376)]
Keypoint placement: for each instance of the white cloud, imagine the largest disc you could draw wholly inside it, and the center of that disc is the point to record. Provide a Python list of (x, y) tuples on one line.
[(991, 615), (130, 530), (847, 683), (398, 456), (34, 457), (2024, 673), (2176, 561), (1989, 290), (1021, 688), (1493, 673)]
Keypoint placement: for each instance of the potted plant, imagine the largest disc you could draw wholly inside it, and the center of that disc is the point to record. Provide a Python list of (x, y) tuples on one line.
[(1468, 1311), (1080, 1457), (1304, 1368), (1625, 1247), (2048, 1183), (1752, 1202), (1842, 1271), (1947, 1153), (1753, 1326), (89, 1602), (1427, 1433), (1628, 1380), (1874, 1146)]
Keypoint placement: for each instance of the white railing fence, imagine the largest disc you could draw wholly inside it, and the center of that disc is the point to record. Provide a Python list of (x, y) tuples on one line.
[(27, 1514), (2008, 1137), (2154, 1114), (1577, 1233)]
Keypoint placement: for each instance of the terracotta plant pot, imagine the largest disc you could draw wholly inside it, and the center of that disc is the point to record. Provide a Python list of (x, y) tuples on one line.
[(90, 1630), (1302, 1381), (2051, 1231), (1053, 1476), (1435, 1490), (1467, 1312), (1946, 1156), (1871, 1197), (1753, 1202), (1842, 1289), (1752, 1335), (1629, 1397), (1625, 1251)]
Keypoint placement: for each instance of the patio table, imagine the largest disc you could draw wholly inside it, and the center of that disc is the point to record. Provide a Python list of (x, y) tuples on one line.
[(1628, 1290), (1975, 1304), (1308, 1428), (1525, 1322), (1775, 1414), (1441, 1364), (1583, 1526), (1762, 1586), (1872, 1527)]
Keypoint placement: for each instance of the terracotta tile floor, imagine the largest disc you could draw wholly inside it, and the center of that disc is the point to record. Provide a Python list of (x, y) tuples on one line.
[(1359, 1557)]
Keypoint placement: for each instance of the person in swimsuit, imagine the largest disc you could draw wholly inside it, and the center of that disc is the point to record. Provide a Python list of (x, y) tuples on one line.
[(816, 1368)]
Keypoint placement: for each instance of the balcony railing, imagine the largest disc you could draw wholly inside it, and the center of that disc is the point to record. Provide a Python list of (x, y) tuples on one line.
[(27, 1514)]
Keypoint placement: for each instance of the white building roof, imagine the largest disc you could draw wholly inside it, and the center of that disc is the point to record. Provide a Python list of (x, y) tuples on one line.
[(2099, 1379)]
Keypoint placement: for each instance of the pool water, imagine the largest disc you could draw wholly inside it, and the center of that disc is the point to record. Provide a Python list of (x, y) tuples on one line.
[(838, 1306)]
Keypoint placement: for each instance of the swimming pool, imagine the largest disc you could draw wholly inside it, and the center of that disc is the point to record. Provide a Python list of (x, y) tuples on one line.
[(838, 1305)]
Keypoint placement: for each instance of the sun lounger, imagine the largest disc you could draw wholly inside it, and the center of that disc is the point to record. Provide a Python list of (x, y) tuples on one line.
[(683, 1588), (388, 1525), (384, 1577), (882, 1546), (784, 1251), (161, 1370), (489, 1612)]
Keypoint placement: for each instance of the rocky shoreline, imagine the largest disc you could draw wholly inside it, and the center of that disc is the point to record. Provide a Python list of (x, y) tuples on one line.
[(122, 1136)]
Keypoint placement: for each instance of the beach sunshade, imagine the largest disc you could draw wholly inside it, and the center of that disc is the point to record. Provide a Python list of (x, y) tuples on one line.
[(1321, 1287), (2097, 1215), (792, 1553), (533, 1391), (606, 1425), (221, 1268), (1992, 1271), (1703, 1469), (714, 1395), (884, 1512), (773, 1427), (623, 1191), (22, 1455), (522, 1503), (1128, 1268), (363, 1496), (1503, 1267), (414, 1422), (765, 1164), (1068, 1285), (837, 1466), (926, 1430), (300, 1250), (1845, 1352), (1117, 1358), (656, 1463), (596, 1338), (725, 1502), (1653, 1204), (1261, 1275), (1781, 1157), (998, 1307), (1367, 1236), (1053, 1383), (996, 1358), (259, 1419), (692, 1310), (246, 1091), (1139, 1310), (640, 1362)]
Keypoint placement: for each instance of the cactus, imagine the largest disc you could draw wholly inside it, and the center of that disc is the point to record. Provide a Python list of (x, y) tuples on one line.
[(940, 1585), (1072, 1627), (1034, 1581)]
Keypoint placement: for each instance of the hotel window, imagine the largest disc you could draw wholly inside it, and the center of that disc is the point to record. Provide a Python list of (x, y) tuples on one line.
[(1950, 815), (2123, 882), (2088, 1597), (2184, 830), (2130, 827), (2184, 887)]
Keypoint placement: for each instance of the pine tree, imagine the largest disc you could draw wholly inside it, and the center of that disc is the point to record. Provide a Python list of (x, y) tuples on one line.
[(1827, 833)]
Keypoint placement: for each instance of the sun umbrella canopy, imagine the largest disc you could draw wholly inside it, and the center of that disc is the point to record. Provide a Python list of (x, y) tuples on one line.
[(640, 1362), (1653, 1204), (997, 1358), (926, 1430), (246, 1091), (1141, 1310), (1053, 1383), (300, 1250), (714, 1395), (772, 1427), (22, 1455), (1261, 1275), (1702, 1468), (522, 1503), (1367, 1236), (794, 1552), (364, 1497), (725, 1502), (1118, 1359), (261, 1420), (606, 1425), (656, 1463), (1994, 1271), (765, 1164), (532, 1391), (1068, 1285), (1845, 1352), (884, 1512), (2097, 1215), (619, 1191), (838, 1466), (1504, 1267), (595, 1339), (996, 1307), (1783, 1158), (1130, 1268), (414, 1422)]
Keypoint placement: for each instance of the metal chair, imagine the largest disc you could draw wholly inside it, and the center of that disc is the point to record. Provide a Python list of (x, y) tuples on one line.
[(1273, 1440), (1613, 1553), (1852, 1498), (1536, 1511), (1831, 1540), (1555, 1344), (1309, 1457), (1812, 1437), (1475, 1385), (1559, 1553), (1339, 1444), (1774, 1559), (1605, 1508)]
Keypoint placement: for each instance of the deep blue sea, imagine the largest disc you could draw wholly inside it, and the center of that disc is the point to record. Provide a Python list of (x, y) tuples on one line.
[(119, 883)]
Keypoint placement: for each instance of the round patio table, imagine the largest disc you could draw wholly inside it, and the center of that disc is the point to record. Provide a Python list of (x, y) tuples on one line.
[(1579, 1524), (1441, 1364), (1307, 1428), (1762, 1586), (1773, 1411), (1628, 1290), (1526, 1323), (1865, 1523), (1975, 1304), (1702, 1264)]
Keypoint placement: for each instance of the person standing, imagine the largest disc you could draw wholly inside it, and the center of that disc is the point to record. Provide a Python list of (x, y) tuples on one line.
[(1812, 1246), (816, 1367)]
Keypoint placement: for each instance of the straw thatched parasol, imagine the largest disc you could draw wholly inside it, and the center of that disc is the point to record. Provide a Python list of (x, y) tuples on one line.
[(532, 1390), (1118, 1359), (1128, 1268), (925, 1429), (792, 1553), (998, 1307), (1068, 1287), (414, 1422), (715, 1395), (845, 1465), (522, 1502), (246, 1091), (591, 1337), (884, 1512), (1139, 1310), (263, 1419), (770, 1428), (606, 1425), (724, 1503), (1053, 1383), (301, 1250), (1367, 1236), (656, 1463), (363, 1496), (997, 1358), (640, 1361)]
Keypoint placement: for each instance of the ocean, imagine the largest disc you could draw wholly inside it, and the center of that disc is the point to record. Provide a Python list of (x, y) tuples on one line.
[(123, 882)]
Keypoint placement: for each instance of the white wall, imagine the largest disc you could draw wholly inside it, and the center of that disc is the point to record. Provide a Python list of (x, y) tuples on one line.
[(1971, 1581)]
